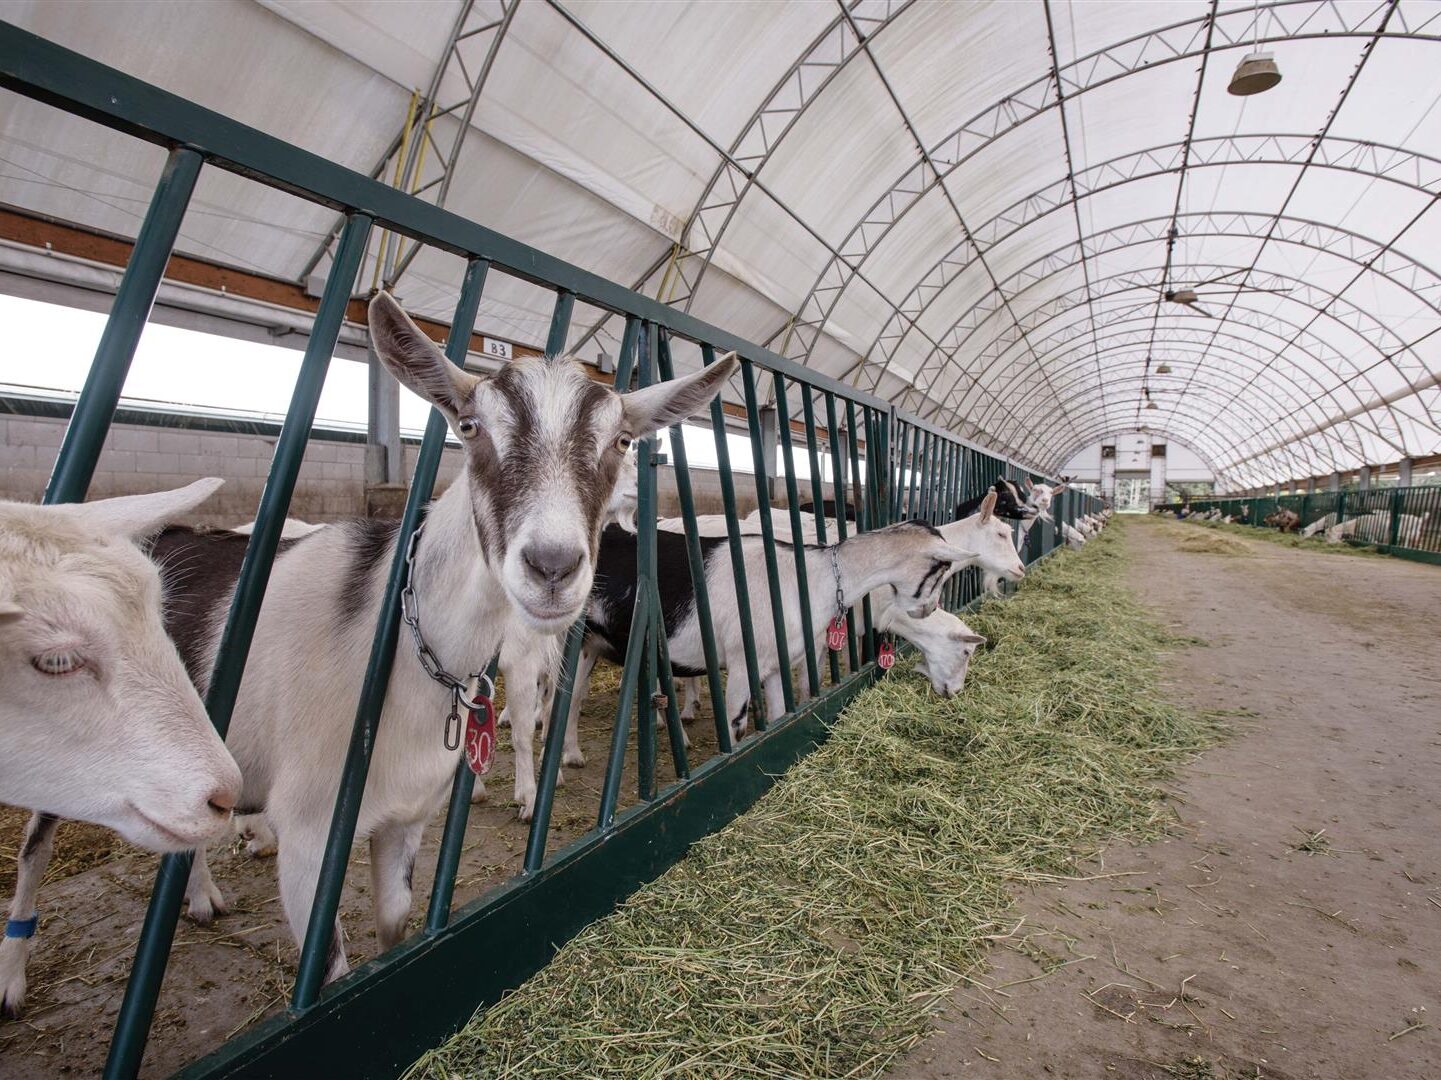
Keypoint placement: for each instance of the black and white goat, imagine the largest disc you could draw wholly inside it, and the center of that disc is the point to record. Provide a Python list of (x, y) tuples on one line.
[(911, 557), (511, 545)]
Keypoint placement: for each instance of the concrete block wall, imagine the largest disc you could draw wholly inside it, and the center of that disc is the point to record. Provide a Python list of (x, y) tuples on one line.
[(140, 458)]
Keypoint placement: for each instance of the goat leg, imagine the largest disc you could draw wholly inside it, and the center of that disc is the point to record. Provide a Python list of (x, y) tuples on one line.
[(35, 852)]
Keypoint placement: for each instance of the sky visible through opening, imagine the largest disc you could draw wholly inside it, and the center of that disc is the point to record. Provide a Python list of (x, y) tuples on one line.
[(51, 347)]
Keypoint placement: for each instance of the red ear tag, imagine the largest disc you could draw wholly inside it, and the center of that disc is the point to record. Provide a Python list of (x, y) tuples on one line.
[(886, 657), (836, 634), (480, 736)]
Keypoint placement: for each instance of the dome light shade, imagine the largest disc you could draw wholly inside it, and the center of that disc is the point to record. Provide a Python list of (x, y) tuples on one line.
[(1257, 72), (1150, 404), (1163, 369)]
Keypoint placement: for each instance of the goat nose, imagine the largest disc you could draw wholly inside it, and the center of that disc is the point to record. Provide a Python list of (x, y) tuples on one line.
[(222, 800), (551, 564)]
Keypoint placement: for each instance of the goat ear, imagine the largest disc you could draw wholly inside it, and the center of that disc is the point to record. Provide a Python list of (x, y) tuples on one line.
[(956, 555), (655, 407), (988, 507), (142, 516), (1060, 487), (1027, 486), (969, 637), (921, 669), (9, 612), (416, 360)]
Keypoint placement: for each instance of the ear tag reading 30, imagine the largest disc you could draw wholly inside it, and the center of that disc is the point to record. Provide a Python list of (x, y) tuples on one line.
[(836, 634), (480, 731), (886, 656)]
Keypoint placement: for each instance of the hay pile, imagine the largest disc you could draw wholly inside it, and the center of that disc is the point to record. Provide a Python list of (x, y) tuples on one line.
[(1211, 544), (814, 935)]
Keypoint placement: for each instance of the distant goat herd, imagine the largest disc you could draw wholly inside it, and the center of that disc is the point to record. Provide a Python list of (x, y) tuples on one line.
[(110, 623), (1373, 526)]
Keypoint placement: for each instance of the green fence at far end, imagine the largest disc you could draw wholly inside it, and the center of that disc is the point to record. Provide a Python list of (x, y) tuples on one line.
[(1402, 521)]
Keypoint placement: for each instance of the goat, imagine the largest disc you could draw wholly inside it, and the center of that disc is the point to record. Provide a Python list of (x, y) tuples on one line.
[(911, 557), (98, 721), (510, 547), (1072, 535), (1008, 504), (528, 661), (946, 645), (1038, 498), (1283, 519)]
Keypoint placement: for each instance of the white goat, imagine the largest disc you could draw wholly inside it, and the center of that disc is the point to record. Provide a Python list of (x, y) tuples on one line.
[(509, 547), (1039, 498), (98, 721)]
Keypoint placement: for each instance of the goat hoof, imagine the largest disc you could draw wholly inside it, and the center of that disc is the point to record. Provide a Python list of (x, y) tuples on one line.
[(575, 760), (526, 812), (12, 1008), (203, 907), (12, 986)]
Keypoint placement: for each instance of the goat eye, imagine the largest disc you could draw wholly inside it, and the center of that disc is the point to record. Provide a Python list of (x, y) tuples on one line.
[(622, 443), (468, 427), (57, 663)]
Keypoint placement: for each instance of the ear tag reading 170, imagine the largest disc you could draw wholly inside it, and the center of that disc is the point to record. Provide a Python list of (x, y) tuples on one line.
[(480, 733), (836, 634), (886, 656)]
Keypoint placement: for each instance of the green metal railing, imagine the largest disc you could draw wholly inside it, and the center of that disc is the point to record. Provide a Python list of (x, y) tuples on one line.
[(884, 466), (1400, 521)]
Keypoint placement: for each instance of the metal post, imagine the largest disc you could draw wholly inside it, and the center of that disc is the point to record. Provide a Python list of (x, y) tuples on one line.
[(754, 417), (768, 440), (1363, 478), (697, 565), (90, 423), (554, 747), (383, 464), (132, 1024), (1403, 473), (798, 543)]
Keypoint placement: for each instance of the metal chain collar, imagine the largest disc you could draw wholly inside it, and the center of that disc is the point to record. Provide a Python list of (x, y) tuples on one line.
[(840, 592), (410, 612)]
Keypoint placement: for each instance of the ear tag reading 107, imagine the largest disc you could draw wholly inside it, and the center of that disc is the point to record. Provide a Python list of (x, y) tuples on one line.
[(836, 634), (886, 656), (480, 732)]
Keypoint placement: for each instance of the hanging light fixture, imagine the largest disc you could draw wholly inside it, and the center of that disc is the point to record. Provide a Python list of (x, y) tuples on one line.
[(1163, 369), (1150, 404), (1256, 73)]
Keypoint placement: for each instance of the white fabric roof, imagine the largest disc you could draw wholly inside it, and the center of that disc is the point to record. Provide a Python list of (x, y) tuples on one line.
[(963, 207)]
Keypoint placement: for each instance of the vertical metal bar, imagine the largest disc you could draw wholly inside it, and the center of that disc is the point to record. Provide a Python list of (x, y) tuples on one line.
[(778, 615), (452, 841), (737, 551), (422, 487), (674, 728), (808, 410), (625, 362), (554, 744), (900, 484), (917, 468), (798, 542), (838, 485), (645, 555), (90, 422), (697, 564), (314, 954), (863, 519), (559, 323), (132, 1024), (620, 735)]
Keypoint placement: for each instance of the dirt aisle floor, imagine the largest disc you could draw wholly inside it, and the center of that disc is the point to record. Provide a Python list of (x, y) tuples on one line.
[(1291, 928)]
